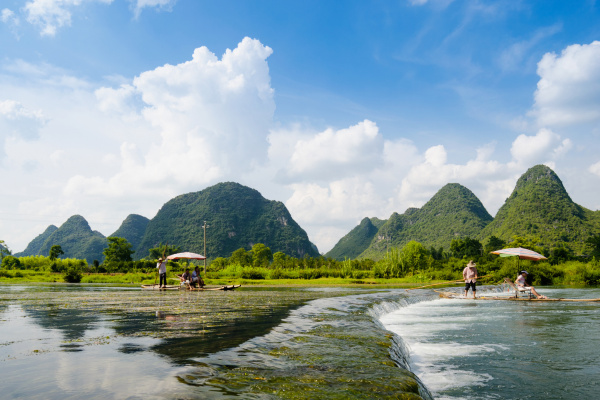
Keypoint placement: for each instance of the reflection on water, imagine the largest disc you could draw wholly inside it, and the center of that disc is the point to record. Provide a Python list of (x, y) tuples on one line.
[(100, 343)]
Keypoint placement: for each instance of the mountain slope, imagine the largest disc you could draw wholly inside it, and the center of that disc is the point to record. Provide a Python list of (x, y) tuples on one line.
[(77, 240), (453, 212), (33, 248), (357, 240), (133, 229), (539, 206), (238, 216)]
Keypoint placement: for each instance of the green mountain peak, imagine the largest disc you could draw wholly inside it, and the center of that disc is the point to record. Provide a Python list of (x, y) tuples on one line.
[(540, 207), (238, 216), (133, 229), (77, 240), (453, 212), (357, 240)]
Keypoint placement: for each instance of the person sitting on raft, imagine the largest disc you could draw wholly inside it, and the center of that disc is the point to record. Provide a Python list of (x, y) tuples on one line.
[(470, 277), (196, 278), (521, 282), (185, 277)]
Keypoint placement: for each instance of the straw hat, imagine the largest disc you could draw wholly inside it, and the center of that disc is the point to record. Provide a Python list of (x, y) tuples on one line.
[(471, 264)]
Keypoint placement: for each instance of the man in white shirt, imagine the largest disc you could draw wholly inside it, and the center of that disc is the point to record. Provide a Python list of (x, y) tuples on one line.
[(162, 272)]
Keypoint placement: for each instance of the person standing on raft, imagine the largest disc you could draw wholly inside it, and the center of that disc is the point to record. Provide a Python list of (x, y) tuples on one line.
[(470, 276), (521, 282), (162, 272)]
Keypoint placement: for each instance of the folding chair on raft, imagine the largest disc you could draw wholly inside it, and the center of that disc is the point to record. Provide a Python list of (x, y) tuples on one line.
[(525, 291)]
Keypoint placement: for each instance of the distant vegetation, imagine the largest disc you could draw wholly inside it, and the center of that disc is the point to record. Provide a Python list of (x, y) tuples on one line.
[(412, 262)]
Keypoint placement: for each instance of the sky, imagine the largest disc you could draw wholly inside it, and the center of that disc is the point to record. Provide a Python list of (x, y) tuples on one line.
[(341, 110)]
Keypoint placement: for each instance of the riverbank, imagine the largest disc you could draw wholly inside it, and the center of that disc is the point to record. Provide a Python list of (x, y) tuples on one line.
[(136, 279)]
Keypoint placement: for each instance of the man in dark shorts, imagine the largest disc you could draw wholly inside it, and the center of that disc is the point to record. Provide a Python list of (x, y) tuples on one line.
[(470, 276)]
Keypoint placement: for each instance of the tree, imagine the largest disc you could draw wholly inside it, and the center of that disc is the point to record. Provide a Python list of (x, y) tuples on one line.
[(119, 249), (415, 255), (494, 244), (279, 259), (55, 252), (594, 243), (261, 255), (10, 262), (465, 247), (241, 257)]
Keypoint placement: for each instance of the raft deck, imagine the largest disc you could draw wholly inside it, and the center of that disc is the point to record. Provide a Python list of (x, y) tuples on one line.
[(455, 296), (173, 287)]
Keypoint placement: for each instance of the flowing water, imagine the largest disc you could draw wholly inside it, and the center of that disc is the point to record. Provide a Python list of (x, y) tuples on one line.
[(464, 349), (60, 342)]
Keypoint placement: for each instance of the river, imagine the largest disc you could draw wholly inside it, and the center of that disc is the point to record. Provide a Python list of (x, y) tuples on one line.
[(62, 341), (464, 349)]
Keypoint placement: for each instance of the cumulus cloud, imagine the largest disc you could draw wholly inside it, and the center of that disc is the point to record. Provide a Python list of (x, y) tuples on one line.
[(568, 91), (213, 116), (332, 154), (542, 147), (595, 169)]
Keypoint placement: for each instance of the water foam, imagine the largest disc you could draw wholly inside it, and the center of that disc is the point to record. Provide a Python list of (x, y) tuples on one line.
[(421, 323)]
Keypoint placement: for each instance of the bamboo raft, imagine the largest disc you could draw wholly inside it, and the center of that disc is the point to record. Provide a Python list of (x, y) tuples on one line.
[(455, 296), (173, 287)]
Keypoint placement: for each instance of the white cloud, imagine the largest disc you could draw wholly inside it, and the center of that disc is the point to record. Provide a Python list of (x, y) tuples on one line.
[(543, 147), (595, 169), (568, 91), (49, 15), (333, 154), (213, 117), (8, 17), (158, 4)]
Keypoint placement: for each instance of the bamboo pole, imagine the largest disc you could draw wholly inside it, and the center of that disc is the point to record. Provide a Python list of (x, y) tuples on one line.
[(445, 283)]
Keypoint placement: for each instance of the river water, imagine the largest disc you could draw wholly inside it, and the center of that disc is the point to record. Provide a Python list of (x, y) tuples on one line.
[(464, 349), (60, 342)]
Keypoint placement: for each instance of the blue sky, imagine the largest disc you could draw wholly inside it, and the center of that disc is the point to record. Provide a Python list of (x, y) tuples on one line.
[(439, 79)]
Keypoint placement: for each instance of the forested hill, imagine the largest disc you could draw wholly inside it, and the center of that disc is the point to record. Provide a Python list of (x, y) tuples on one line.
[(33, 248), (77, 240), (539, 206), (453, 212), (133, 229), (357, 240), (238, 216)]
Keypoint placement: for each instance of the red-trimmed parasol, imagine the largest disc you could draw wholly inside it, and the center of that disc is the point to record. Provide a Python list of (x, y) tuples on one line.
[(523, 254), (186, 255)]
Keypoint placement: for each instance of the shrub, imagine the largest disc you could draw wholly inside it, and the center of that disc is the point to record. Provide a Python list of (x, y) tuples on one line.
[(278, 274), (72, 273), (252, 273), (10, 262)]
